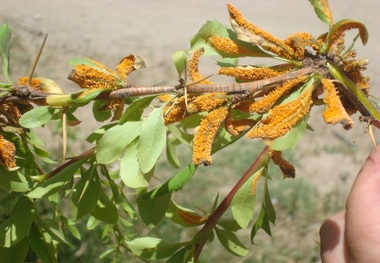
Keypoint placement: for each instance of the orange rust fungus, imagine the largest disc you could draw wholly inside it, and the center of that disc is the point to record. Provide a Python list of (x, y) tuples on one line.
[(258, 36), (88, 77), (235, 127), (193, 67), (125, 66), (165, 97), (270, 99), (255, 181), (326, 10), (35, 83), (335, 112), (206, 102), (13, 110), (283, 117), (227, 46), (191, 218), (299, 41), (176, 110), (249, 73), (7, 153), (288, 170), (339, 34), (205, 135)]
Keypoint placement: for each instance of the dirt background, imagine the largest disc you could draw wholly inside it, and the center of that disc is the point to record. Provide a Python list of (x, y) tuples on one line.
[(108, 30)]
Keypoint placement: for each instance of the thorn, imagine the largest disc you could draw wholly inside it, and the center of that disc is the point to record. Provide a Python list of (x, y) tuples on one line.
[(34, 65)]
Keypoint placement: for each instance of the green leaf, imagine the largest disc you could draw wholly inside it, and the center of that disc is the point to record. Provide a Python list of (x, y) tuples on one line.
[(171, 153), (136, 109), (173, 184), (5, 36), (17, 225), (153, 210), (115, 140), (214, 28), (13, 180), (230, 242), (243, 203), (52, 228), (108, 252), (180, 59), (267, 214), (37, 117), (130, 170), (42, 245), (183, 137), (184, 216), (210, 28), (71, 226), (291, 138), (152, 140), (84, 97), (16, 253), (344, 25), (100, 115), (86, 192), (105, 210), (152, 248), (54, 184), (111, 183), (180, 256), (357, 95), (322, 9)]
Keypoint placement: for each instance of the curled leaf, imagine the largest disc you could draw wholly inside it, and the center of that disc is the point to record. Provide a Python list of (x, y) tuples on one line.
[(334, 112), (338, 29), (288, 170), (248, 32), (205, 135), (322, 10)]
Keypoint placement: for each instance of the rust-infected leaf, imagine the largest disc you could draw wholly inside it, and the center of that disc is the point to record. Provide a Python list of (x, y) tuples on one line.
[(248, 32)]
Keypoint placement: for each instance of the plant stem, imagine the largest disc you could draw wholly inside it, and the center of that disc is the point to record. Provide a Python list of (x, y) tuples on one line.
[(203, 234)]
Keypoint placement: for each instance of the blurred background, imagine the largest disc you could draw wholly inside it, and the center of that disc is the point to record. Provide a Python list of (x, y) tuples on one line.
[(327, 159)]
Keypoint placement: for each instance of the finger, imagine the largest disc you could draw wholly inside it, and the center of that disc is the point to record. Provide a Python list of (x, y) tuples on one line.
[(332, 239), (363, 212)]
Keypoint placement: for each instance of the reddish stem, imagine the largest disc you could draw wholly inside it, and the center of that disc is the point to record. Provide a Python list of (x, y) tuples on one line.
[(213, 219)]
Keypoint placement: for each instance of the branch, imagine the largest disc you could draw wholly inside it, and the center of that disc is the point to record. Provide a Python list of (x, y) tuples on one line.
[(213, 219), (21, 93)]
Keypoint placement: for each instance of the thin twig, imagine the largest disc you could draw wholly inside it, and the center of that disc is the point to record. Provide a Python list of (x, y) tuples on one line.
[(202, 236)]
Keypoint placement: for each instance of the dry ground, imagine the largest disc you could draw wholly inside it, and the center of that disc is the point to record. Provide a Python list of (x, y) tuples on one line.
[(109, 30)]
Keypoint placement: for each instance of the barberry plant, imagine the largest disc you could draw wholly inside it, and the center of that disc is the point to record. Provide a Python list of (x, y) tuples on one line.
[(113, 183)]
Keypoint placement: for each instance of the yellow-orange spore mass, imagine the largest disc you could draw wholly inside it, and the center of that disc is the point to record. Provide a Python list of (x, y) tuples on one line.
[(7, 153), (227, 46), (193, 67), (249, 73), (334, 112), (126, 66), (256, 35), (283, 117), (205, 135), (88, 77), (235, 127), (206, 102), (288, 170), (264, 104)]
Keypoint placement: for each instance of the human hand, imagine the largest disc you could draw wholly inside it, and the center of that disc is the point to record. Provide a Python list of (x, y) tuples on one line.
[(354, 235)]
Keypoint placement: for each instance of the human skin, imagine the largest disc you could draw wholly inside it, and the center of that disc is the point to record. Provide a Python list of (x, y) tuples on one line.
[(353, 235)]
